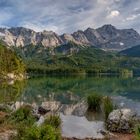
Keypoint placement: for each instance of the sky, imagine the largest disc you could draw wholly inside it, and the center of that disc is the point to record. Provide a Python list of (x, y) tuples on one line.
[(67, 16)]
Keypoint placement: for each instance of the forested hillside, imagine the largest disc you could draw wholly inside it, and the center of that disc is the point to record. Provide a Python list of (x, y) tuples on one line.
[(132, 52), (72, 58), (65, 59), (9, 62)]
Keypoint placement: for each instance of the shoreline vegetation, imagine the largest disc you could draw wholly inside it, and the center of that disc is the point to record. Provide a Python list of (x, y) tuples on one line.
[(37, 123), (70, 72), (24, 123), (87, 61)]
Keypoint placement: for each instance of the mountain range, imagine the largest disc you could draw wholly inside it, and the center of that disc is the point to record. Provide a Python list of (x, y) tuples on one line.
[(106, 37), (103, 50)]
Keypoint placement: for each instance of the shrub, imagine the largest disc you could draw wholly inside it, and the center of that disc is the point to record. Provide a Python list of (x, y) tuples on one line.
[(23, 115), (44, 132), (48, 132), (4, 109), (94, 101), (137, 132), (53, 120), (32, 133), (108, 106), (27, 130)]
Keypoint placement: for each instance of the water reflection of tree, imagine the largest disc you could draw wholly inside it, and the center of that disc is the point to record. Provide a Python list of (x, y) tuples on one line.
[(68, 89), (10, 93)]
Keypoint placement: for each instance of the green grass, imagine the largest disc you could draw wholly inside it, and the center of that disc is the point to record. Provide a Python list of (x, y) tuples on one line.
[(23, 115), (53, 120), (108, 106), (24, 122), (137, 132), (94, 101), (44, 132)]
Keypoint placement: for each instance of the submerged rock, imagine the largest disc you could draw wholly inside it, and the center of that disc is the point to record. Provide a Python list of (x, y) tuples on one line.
[(122, 120)]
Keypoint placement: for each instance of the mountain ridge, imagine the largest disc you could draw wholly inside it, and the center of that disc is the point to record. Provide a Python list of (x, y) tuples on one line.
[(131, 52), (107, 37)]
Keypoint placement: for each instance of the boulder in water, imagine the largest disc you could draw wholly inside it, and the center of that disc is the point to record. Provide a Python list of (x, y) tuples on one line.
[(122, 120)]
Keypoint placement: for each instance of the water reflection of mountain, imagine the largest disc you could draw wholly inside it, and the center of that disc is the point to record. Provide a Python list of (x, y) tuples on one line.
[(69, 90), (79, 109)]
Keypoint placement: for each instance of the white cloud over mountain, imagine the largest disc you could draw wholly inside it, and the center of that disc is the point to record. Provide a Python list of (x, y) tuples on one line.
[(113, 14), (67, 16)]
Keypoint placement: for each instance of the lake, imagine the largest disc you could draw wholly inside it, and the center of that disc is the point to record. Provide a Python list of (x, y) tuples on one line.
[(69, 90), (66, 94)]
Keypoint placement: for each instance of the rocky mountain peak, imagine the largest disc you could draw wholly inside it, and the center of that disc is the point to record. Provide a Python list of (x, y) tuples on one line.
[(89, 29), (80, 37), (94, 37), (108, 31), (20, 31), (108, 27), (107, 37), (67, 38), (48, 32)]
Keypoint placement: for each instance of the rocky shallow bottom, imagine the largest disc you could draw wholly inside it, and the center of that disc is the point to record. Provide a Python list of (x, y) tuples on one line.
[(117, 136), (80, 127), (75, 127)]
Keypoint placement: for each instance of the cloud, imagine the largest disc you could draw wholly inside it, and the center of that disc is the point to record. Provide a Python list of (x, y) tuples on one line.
[(117, 0), (113, 14), (132, 17), (39, 27), (68, 16), (5, 16)]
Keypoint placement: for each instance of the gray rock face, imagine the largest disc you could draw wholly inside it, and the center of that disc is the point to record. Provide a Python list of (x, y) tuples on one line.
[(117, 39), (94, 37), (122, 120), (21, 37), (106, 37), (67, 38), (80, 37)]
